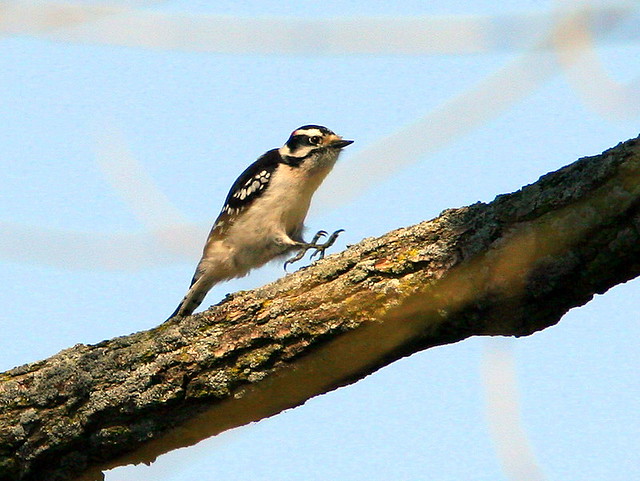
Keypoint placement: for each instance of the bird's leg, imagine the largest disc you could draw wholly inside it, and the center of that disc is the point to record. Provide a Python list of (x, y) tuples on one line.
[(319, 248)]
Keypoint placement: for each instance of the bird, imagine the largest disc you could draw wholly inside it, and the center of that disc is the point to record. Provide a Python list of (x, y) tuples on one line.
[(264, 212)]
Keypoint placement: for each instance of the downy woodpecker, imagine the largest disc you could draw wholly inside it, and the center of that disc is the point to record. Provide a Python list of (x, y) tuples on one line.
[(263, 214)]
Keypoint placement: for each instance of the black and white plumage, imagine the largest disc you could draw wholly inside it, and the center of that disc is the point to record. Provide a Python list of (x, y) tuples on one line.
[(263, 214)]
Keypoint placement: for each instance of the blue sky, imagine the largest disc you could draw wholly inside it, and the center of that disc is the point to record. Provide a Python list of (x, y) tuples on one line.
[(85, 260)]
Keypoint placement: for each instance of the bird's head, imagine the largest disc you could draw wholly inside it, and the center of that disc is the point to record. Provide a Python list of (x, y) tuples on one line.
[(310, 139)]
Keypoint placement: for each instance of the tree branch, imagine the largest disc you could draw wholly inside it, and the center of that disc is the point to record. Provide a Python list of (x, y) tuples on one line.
[(510, 267)]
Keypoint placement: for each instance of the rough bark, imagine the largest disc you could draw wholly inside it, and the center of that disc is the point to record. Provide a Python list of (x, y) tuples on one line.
[(509, 267)]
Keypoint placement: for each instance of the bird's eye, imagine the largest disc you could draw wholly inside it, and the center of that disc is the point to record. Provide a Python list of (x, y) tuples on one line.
[(315, 140)]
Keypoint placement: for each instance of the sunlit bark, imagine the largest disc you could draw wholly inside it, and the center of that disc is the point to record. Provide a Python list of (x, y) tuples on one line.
[(510, 267)]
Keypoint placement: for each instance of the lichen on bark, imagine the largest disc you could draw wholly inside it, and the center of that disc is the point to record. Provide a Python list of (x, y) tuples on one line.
[(509, 267)]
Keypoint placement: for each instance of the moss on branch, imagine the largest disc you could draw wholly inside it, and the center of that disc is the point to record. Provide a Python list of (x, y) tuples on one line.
[(509, 267)]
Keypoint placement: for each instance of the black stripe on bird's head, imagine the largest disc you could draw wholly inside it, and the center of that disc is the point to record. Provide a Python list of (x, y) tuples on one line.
[(308, 139)]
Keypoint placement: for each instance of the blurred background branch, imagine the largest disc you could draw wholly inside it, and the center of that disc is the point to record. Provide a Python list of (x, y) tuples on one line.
[(137, 24), (546, 44)]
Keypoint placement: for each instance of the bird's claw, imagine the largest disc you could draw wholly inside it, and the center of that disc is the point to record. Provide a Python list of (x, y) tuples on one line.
[(319, 248), (318, 236), (295, 258)]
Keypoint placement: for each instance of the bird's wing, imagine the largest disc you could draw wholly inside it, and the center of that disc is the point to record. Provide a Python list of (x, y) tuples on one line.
[(250, 185)]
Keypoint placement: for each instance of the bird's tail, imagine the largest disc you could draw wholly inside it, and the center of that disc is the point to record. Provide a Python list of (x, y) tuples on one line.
[(194, 297)]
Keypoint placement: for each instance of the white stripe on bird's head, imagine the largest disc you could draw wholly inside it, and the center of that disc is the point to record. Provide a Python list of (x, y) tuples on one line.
[(309, 132)]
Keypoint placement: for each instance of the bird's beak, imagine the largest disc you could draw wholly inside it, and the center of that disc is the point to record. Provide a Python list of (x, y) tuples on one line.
[(336, 142)]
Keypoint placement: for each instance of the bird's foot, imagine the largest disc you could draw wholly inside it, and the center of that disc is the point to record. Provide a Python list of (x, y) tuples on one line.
[(319, 248)]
